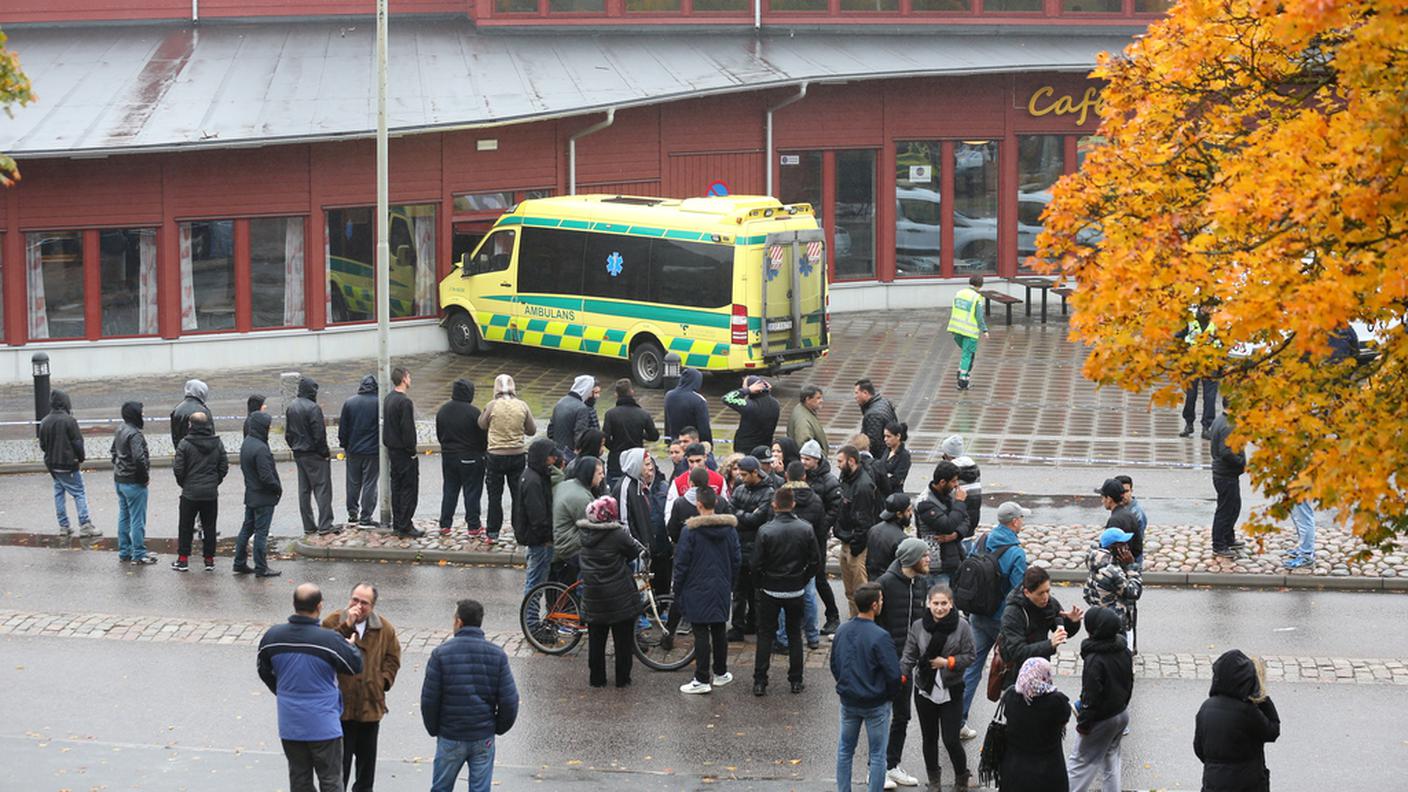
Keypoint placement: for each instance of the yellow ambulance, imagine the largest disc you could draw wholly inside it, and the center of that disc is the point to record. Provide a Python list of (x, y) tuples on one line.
[(729, 283)]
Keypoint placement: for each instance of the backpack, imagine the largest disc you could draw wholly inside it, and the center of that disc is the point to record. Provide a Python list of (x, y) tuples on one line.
[(977, 586)]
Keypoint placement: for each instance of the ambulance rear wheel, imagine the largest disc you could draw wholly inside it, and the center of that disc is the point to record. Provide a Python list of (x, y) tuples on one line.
[(648, 364)]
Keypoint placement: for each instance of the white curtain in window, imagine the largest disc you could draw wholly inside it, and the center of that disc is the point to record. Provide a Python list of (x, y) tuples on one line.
[(146, 294), (328, 286), (293, 272), (188, 286), (425, 265), (34, 277)]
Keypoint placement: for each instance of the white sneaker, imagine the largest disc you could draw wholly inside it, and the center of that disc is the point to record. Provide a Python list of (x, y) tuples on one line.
[(966, 733), (695, 687), (723, 679), (890, 783), (900, 777)]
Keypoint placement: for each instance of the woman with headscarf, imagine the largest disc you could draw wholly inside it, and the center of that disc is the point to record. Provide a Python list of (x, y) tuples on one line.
[(592, 443), (610, 602), (1234, 725), (1036, 715)]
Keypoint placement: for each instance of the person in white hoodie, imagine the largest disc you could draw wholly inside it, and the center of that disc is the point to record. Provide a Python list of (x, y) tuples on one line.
[(574, 414)]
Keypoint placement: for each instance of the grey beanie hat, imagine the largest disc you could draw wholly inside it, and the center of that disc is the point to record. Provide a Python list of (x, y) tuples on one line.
[(952, 446), (812, 449), (910, 551)]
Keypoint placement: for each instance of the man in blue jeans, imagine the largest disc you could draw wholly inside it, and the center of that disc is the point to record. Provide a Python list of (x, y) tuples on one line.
[(867, 673), (1012, 566), (262, 491), (468, 698), (131, 470), (62, 444)]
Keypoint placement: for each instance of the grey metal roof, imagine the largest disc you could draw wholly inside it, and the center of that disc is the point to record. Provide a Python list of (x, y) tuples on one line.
[(154, 87)]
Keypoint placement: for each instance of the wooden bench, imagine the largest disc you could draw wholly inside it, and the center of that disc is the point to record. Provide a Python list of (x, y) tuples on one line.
[(1064, 292), (1002, 298)]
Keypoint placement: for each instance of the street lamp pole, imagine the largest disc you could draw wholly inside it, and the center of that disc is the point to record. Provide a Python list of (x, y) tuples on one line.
[(383, 266)]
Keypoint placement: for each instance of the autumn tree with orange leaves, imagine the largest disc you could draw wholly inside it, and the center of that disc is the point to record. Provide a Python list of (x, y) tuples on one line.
[(1255, 164), (14, 89)]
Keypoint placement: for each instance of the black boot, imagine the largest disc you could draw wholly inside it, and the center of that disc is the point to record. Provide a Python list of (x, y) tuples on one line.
[(1187, 431)]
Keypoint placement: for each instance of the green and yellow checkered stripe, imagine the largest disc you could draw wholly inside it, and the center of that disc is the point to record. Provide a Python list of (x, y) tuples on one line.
[(596, 340), (700, 354)]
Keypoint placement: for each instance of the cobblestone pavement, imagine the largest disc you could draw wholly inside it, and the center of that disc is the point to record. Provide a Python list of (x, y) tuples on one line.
[(158, 629), (1028, 401), (1168, 548)]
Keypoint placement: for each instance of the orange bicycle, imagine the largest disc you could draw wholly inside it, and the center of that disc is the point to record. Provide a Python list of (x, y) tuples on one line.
[(552, 621)]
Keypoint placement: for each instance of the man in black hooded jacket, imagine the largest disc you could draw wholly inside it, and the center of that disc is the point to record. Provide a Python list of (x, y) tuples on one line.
[(531, 517), (62, 444), (306, 431), (1102, 713), (131, 471), (1233, 727), (200, 465), (262, 491), (356, 435), (462, 448), (942, 515)]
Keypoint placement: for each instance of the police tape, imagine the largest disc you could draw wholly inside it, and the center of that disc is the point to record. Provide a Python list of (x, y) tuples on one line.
[(1094, 461), (103, 421)]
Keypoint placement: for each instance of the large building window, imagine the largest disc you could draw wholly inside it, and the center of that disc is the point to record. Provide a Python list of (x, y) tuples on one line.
[(721, 5), (798, 5), (975, 177), (54, 278), (576, 6), (870, 5), (208, 275), (516, 6), (918, 214), (652, 6), (942, 5), (1041, 160), (127, 270), (1092, 6), (276, 272), (1012, 5), (351, 262), (1152, 6), (855, 213)]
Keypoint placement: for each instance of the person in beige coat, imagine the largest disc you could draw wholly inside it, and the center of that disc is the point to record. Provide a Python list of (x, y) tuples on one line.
[(509, 423), (364, 694)]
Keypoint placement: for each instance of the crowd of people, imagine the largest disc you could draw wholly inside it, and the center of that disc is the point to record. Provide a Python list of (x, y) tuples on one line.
[(740, 538)]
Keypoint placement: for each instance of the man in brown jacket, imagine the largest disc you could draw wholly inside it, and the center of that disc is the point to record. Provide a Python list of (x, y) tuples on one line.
[(364, 695)]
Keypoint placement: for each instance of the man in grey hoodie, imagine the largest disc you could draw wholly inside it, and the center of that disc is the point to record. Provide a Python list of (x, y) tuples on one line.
[(196, 394), (573, 415)]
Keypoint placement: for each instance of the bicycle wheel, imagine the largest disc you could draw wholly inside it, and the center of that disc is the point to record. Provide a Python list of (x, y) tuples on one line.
[(652, 628), (551, 618)]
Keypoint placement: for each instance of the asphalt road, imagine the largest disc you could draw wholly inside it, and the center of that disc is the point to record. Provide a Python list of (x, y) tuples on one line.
[(80, 713)]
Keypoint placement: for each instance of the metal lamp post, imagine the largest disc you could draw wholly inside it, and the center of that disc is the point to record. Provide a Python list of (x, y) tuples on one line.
[(40, 366), (383, 266)]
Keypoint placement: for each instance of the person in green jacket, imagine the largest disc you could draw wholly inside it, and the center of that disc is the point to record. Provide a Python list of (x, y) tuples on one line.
[(803, 424), (569, 504)]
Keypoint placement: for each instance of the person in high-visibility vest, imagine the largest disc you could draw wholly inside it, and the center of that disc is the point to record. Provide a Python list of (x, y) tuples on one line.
[(965, 323), (1200, 330)]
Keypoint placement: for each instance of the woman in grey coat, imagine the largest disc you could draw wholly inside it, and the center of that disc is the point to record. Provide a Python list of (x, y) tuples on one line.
[(938, 648)]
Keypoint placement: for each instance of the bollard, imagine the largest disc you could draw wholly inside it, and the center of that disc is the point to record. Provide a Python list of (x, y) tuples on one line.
[(671, 378), (40, 364)]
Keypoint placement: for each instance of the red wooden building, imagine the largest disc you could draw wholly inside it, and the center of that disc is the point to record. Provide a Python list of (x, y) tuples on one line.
[(198, 177)]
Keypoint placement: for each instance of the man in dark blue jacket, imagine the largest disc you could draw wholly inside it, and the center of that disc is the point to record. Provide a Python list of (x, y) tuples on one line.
[(867, 672), (300, 661), (356, 434), (685, 406), (468, 698)]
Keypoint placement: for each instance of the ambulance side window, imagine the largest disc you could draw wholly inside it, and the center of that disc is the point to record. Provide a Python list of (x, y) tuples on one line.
[(494, 255)]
